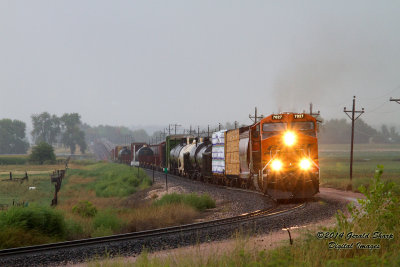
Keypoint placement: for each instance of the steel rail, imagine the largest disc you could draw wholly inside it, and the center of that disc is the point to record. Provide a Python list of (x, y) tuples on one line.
[(149, 233)]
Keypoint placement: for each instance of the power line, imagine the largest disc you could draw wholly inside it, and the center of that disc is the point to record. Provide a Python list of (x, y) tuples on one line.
[(381, 96)]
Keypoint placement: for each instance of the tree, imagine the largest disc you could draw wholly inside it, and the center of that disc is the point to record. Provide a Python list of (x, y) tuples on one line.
[(46, 128), (42, 152), (12, 137), (115, 134), (72, 135), (335, 132)]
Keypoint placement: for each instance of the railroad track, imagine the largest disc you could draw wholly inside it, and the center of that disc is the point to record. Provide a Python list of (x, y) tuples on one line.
[(149, 172), (252, 216)]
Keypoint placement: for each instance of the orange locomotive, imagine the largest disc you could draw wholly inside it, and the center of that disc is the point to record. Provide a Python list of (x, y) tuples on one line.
[(284, 155)]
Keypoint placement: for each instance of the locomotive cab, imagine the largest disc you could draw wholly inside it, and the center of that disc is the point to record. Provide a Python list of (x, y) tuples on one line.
[(285, 155)]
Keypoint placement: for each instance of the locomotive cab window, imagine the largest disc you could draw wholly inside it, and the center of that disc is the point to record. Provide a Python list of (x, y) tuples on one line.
[(303, 125), (273, 128), (307, 127)]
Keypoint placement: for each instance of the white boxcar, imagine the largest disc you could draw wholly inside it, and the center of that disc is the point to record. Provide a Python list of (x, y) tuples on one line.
[(218, 152)]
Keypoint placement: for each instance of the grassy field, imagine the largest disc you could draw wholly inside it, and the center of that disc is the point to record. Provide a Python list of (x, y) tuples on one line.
[(335, 166), (39, 177), (95, 199)]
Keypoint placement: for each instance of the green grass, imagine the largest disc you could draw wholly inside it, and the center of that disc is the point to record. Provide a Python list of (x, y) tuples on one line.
[(13, 160), (335, 164), (19, 192), (30, 225), (113, 180), (199, 202), (107, 219)]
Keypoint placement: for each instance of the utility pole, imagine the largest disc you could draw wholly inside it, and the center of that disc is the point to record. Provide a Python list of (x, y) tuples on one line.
[(311, 111), (353, 119), (255, 117), (219, 126), (175, 125), (236, 123), (397, 100)]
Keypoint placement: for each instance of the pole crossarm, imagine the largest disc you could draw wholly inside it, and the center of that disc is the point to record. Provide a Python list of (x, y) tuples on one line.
[(397, 100), (255, 117)]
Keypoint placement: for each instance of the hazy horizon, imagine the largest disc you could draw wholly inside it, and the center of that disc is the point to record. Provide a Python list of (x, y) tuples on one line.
[(198, 63)]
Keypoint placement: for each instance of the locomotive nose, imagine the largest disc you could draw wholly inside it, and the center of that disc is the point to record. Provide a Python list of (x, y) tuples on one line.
[(289, 138)]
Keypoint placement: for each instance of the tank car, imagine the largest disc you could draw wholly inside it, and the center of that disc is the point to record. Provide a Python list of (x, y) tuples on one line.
[(192, 159), (145, 156), (182, 155), (124, 155), (174, 158)]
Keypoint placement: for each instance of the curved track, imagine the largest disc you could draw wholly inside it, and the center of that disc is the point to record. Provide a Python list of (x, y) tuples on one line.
[(132, 243), (272, 212)]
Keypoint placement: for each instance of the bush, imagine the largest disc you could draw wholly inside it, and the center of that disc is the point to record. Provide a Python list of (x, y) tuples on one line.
[(12, 237), (107, 220), (41, 153), (74, 230), (380, 210), (42, 219), (85, 209), (200, 203)]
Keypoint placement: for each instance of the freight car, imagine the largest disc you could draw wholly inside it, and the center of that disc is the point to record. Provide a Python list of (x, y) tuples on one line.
[(158, 155), (145, 157), (277, 156), (124, 155)]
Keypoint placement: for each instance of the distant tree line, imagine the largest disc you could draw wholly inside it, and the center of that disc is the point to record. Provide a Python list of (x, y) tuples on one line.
[(69, 131), (65, 130), (338, 131), (115, 134)]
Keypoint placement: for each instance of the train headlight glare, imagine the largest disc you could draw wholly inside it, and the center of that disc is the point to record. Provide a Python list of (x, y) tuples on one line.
[(289, 138), (305, 164), (276, 165)]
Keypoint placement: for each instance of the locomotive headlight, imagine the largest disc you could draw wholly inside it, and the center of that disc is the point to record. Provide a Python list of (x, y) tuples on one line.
[(289, 138), (305, 164), (276, 165)]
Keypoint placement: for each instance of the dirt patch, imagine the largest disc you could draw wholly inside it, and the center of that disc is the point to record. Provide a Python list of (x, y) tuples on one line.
[(338, 195)]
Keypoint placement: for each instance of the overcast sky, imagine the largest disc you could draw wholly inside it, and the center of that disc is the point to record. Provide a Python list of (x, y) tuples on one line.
[(198, 62)]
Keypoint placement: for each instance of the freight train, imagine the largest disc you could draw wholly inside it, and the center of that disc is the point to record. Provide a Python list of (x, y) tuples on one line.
[(278, 156)]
